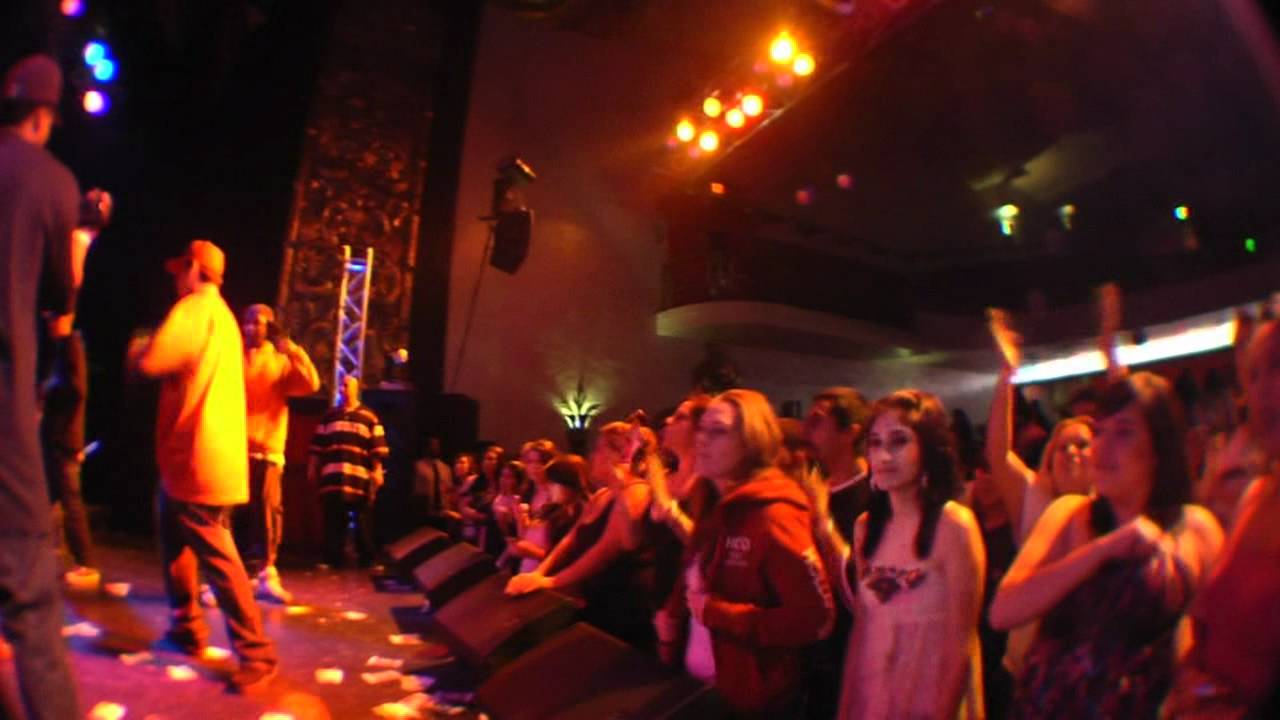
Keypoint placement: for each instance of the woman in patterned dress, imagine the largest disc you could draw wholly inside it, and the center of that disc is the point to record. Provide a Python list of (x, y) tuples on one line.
[(914, 576), (1108, 576)]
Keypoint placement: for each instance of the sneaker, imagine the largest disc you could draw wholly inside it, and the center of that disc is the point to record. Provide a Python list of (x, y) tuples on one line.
[(252, 678), (207, 598), (269, 587), (82, 577)]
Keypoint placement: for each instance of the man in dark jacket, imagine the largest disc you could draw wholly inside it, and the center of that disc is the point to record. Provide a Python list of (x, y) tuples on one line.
[(39, 208)]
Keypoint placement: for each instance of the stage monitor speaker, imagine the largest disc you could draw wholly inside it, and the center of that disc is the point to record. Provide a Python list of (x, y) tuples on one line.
[(511, 233), (487, 629), (586, 674), (451, 571), (414, 549)]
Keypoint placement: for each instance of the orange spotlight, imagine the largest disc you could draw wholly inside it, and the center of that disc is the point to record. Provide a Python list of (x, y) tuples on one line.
[(709, 140), (712, 106), (783, 48), (803, 65), (752, 105), (735, 118), (685, 130), (717, 188)]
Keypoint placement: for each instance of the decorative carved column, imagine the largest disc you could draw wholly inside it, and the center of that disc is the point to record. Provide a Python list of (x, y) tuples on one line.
[(364, 162)]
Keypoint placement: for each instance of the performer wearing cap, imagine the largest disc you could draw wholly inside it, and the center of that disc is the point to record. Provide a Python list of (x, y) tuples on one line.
[(275, 369), (202, 454), (39, 207)]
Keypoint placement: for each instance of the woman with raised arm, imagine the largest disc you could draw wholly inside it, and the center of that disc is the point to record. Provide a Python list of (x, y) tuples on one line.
[(913, 578), (755, 586), (1108, 576), (1026, 492)]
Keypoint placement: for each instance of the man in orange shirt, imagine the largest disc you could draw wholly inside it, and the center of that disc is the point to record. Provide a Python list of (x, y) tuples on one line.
[(202, 454), (275, 369)]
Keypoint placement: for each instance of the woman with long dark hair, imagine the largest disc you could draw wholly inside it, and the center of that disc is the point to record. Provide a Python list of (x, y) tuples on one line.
[(1108, 576), (565, 478), (913, 578)]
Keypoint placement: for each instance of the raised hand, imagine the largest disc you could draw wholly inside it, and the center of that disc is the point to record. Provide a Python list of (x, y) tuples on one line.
[(1135, 539), (1007, 340)]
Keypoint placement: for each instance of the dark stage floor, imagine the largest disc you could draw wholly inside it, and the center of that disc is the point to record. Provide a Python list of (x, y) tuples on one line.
[(320, 636)]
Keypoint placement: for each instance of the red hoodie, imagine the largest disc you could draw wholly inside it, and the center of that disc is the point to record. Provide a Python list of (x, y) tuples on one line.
[(769, 596)]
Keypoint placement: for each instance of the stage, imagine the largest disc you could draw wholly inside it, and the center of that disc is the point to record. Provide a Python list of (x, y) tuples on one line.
[(339, 620)]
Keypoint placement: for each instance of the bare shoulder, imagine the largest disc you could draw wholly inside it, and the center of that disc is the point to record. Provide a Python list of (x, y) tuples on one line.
[(635, 497), (957, 525), (1199, 522), (1066, 509)]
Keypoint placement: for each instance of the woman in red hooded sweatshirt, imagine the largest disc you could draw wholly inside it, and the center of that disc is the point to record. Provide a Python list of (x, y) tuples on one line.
[(755, 580)]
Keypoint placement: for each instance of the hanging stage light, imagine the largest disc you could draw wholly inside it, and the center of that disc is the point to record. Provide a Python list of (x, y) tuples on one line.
[(783, 48), (803, 65), (685, 131), (96, 102)]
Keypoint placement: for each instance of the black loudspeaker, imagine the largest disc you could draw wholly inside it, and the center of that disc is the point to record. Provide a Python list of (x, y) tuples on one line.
[(419, 546), (511, 233), (450, 572), (585, 674), (487, 629), (393, 514)]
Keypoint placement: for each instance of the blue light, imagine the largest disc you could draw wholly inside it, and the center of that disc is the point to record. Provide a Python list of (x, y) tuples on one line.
[(94, 53), (104, 71)]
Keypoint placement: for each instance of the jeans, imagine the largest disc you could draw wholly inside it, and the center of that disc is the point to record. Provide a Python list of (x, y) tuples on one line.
[(259, 525), (31, 616), (338, 509), (64, 482), (197, 537)]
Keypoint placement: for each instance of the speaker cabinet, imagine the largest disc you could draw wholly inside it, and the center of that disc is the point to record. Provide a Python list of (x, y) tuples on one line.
[(586, 674), (511, 233), (445, 576), (414, 549), (487, 629)]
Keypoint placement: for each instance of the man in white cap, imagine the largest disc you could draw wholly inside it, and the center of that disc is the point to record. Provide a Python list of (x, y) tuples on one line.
[(39, 208), (202, 454)]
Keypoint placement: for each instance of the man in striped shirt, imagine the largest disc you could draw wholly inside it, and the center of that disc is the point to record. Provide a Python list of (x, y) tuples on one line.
[(347, 453)]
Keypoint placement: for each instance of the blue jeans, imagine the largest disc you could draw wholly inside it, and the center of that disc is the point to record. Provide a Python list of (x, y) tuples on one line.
[(31, 615)]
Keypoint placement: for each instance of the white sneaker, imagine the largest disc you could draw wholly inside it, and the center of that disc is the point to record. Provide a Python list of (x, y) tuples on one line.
[(207, 597), (269, 587)]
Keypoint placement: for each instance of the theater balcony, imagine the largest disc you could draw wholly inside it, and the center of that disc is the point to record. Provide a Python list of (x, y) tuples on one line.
[(921, 177)]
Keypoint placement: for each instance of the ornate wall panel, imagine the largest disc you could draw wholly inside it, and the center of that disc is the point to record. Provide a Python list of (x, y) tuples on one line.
[(360, 178)]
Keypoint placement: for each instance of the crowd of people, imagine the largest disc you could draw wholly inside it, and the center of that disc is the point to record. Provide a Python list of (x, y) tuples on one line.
[(869, 561), (887, 559)]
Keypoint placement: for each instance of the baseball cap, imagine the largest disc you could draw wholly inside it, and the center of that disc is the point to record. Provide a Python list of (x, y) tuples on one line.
[(208, 256), (34, 78)]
